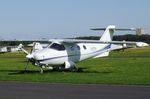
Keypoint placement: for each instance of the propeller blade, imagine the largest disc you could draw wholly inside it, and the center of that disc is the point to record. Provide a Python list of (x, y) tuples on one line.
[(33, 48), (27, 64)]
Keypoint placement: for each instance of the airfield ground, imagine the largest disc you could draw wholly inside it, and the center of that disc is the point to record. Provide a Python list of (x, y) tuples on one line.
[(131, 67)]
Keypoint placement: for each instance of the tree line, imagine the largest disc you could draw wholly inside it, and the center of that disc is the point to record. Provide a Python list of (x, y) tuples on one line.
[(128, 37)]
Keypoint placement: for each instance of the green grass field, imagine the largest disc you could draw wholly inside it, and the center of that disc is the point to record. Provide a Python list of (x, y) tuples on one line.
[(131, 67)]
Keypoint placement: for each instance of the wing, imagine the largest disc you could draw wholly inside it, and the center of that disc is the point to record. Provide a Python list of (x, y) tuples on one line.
[(69, 41)]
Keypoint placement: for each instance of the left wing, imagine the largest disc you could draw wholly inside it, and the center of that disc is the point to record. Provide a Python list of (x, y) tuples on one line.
[(91, 41)]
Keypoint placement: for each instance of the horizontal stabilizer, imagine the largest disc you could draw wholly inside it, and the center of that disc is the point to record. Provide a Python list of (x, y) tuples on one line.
[(131, 29)]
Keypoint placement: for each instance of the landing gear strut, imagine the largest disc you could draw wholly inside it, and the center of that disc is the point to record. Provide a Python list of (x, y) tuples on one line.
[(41, 70), (26, 66)]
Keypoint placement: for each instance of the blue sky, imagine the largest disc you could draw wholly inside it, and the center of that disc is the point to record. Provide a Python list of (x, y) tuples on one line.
[(28, 19)]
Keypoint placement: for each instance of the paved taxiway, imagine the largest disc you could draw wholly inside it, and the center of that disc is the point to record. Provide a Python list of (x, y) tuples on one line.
[(15, 90)]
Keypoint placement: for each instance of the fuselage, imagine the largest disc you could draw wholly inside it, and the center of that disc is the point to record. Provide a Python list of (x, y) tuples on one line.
[(58, 54)]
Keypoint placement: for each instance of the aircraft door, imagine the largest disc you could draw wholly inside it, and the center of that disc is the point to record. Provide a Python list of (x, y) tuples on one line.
[(74, 53)]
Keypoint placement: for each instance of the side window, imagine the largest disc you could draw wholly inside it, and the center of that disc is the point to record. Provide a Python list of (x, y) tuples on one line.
[(78, 47), (84, 47), (73, 48)]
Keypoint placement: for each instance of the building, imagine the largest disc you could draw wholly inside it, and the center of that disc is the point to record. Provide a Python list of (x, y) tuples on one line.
[(140, 31)]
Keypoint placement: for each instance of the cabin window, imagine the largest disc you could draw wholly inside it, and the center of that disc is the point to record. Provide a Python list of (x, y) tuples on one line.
[(78, 47), (58, 47), (84, 47)]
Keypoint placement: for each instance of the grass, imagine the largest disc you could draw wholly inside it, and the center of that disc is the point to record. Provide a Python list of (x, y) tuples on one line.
[(131, 67)]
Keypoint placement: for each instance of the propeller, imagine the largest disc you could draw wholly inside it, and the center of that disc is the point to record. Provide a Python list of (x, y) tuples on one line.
[(30, 56)]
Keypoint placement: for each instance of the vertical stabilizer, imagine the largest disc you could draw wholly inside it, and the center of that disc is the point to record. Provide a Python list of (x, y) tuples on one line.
[(108, 33), (106, 36)]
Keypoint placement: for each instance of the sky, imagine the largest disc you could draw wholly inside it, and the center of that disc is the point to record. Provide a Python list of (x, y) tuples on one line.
[(35, 19)]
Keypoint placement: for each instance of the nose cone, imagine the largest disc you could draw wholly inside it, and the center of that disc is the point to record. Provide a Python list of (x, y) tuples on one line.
[(38, 56), (44, 54)]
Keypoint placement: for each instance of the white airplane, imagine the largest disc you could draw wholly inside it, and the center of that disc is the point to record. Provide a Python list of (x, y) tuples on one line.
[(65, 53), (7, 49), (3, 50)]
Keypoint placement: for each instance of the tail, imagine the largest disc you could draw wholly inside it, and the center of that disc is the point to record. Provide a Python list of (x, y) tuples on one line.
[(108, 33), (106, 36)]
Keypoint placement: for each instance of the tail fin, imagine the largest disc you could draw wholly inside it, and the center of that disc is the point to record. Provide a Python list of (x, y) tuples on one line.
[(108, 33)]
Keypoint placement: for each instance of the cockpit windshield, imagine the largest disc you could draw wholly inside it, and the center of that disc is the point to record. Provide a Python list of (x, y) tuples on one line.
[(58, 47)]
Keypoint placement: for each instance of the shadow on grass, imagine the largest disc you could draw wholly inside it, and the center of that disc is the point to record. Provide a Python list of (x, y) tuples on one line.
[(15, 72), (80, 70)]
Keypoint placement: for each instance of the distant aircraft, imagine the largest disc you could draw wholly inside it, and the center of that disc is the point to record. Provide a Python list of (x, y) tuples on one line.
[(6, 49), (65, 53), (3, 50)]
